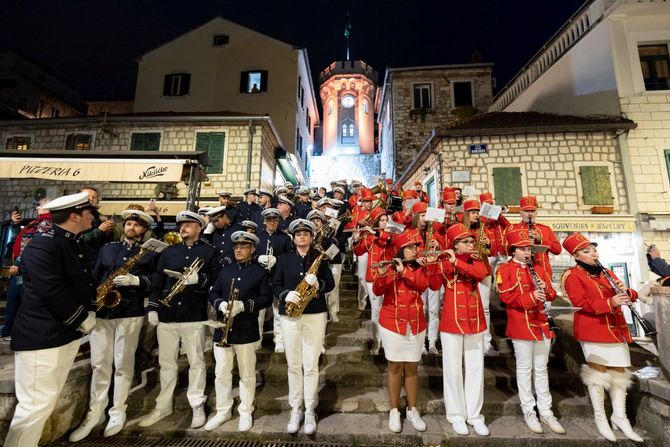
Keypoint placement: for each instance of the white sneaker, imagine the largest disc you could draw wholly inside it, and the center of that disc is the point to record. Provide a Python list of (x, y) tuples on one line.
[(115, 424), (491, 352), (294, 421), (246, 422), (532, 423), (310, 423), (279, 348), (334, 319), (199, 417), (481, 429), (215, 421), (432, 348), (153, 417), (414, 417), (461, 428), (394, 421), (553, 424), (90, 422)]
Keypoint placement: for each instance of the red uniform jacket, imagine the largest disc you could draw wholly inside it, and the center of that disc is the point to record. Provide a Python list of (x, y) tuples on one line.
[(496, 233), (401, 218), (548, 239), (402, 305), (462, 311), (525, 319), (379, 248), (598, 320)]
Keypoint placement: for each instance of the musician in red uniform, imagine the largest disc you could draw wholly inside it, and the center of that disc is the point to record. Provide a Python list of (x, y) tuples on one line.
[(601, 328), (402, 325), (420, 193), (528, 327), (495, 230), (379, 247), (461, 330), (539, 233), (362, 220)]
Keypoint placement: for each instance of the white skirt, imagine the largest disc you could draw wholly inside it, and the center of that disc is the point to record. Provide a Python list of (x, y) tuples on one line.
[(402, 348), (607, 354)]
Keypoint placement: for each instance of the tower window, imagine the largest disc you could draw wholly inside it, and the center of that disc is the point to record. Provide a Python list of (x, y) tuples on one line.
[(365, 107)]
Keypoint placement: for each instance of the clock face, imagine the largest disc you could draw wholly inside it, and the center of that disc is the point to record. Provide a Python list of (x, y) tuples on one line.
[(347, 101)]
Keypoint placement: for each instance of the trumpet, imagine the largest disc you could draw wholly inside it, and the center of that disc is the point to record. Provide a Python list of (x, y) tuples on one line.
[(233, 296), (345, 216), (180, 285)]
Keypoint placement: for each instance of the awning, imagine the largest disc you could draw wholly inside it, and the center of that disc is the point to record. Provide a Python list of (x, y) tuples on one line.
[(94, 169), (611, 223), (165, 208)]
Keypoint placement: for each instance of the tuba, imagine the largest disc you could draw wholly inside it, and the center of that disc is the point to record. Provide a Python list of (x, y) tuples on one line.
[(107, 294), (180, 285)]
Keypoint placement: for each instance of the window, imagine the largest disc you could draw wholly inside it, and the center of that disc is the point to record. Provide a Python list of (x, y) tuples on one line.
[(176, 84), (330, 108), (308, 121), (18, 143), (345, 130), (462, 93), (666, 154), (422, 96), (507, 185), (298, 143), (351, 130), (596, 185), (145, 141), (78, 142), (302, 97), (365, 107), (220, 40), (213, 144), (254, 81), (655, 66)]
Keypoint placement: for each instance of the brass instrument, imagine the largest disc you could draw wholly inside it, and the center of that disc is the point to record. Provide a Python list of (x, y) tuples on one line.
[(308, 293), (379, 188), (480, 246), (268, 251), (345, 216), (179, 286), (429, 234), (326, 231), (106, 294), (233, 296), (172, 238)]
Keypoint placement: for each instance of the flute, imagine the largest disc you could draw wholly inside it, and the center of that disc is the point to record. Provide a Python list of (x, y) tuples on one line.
[(389, 262)]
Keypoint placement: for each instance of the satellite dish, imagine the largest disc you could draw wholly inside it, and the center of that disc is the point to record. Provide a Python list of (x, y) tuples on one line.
[(39, 194)]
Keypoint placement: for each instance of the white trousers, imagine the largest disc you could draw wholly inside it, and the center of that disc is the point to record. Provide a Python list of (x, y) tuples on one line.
[(532, 358), (333, 297), (192, 337), (303, 338), (113, 343), (485, 292), (431, 307), (376, 307), (276, 324), (223, 383), (463, 400), (361, 268), (39, 378)]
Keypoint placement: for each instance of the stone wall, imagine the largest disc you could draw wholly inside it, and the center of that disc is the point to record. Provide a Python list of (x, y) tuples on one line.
[(175, 136), (549, 164), (412, 127)]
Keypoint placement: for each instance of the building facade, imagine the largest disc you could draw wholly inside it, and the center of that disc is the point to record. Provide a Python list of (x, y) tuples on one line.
[(415, 100), (612, 58), (242, 153), (222, 66)]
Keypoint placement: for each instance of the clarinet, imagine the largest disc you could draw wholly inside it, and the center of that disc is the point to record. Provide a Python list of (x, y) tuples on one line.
[(536, 282), (530, 227), (646, 326)]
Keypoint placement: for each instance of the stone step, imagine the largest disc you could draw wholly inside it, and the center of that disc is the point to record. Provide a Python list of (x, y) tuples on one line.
[(365, 430)]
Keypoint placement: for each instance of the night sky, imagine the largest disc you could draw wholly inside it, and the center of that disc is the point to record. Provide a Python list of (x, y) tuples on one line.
[(93, 44)]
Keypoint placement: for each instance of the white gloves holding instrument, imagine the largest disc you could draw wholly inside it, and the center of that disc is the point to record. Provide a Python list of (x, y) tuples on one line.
[(126, 280), (238, 308), (312, 280), (292, 297), (267, 261), (191, 279)]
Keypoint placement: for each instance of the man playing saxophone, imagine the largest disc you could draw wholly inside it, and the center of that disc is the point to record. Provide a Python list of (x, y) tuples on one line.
[(303, 334), (250, 282), (180, 315), (115, 336)]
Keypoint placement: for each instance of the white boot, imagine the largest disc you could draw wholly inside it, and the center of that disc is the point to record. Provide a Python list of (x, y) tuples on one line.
[(620, 382), (597, 382)]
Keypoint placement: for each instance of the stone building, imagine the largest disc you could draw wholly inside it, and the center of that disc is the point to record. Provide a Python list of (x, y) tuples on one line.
[(414, 100), (222, 66), (243, 151), (572, 164), (611, 58)]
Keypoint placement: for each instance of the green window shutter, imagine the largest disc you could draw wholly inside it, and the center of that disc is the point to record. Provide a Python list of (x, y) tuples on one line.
[(596, 185), (201, 141), (507, 186), (666, 153), (145, 141), (213, 143), (137, 142)]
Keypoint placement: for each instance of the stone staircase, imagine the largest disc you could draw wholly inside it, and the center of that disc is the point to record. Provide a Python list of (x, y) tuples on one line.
[(353, 403)]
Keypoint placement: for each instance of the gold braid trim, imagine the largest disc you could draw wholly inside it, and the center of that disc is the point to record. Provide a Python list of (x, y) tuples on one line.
[(564, 277)]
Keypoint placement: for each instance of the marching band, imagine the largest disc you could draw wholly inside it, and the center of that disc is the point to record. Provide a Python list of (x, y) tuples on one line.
[(428, 273)]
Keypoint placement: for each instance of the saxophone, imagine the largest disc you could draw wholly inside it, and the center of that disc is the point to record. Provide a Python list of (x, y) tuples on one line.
[(307, 292), (107, 294), (482, 250), (233, 296), (180, 284)]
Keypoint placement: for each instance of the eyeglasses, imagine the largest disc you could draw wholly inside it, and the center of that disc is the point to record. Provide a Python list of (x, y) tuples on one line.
[(466, 241)]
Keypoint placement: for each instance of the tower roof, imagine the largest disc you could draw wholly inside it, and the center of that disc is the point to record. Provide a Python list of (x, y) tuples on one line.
[(348, 68)]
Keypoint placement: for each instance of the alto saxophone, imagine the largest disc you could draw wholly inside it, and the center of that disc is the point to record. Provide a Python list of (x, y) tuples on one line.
[(179, 286), (107, 294), (307, 292), (233, 296)]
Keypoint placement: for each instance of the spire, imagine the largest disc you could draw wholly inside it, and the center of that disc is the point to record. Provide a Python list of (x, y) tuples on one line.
[(347, 33)]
